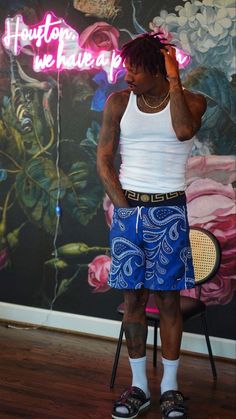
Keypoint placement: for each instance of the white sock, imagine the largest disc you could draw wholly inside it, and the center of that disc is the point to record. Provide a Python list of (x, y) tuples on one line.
[(139, 378), (138, 367), (169, 379)]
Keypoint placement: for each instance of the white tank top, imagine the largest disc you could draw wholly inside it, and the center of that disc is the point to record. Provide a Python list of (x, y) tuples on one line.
[(153, 160)]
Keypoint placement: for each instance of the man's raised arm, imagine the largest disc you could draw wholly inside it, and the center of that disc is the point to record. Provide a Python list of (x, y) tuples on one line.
[(186, 107)]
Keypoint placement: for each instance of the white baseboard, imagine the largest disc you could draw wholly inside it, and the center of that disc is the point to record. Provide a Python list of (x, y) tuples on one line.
[(225, 348)]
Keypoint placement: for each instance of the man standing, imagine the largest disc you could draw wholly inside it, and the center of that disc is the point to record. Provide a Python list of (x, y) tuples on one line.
[(153, 123)]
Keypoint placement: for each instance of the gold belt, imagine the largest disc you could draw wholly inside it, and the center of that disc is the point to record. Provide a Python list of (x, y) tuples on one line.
[(153, 197)]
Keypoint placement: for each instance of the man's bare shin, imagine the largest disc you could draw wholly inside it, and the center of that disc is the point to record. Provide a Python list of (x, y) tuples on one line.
[(135, 322), (136, 336), (171, 335), (171, 323)]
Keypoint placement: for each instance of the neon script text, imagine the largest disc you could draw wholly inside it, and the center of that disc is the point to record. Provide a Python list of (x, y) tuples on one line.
[(56, 47)]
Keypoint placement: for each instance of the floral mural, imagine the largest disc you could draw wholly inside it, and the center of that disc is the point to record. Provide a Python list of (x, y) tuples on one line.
[(54, 215)]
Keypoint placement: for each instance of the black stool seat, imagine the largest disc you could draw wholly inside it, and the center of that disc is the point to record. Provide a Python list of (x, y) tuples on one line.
[(189, 306)]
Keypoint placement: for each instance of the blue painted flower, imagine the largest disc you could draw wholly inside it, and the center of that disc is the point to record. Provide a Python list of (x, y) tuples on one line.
[(105, 89), (3, 173)]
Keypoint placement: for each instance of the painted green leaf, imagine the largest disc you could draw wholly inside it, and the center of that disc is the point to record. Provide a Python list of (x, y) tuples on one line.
[(79, 175), (81, 87), (11, 139), (89, 144), (63, 287), (32, 142), (218, 124), (84, 198), (83, 205), (37, 190), (35, 141)]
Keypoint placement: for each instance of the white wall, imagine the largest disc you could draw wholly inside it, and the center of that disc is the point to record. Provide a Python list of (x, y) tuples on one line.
[(37, 317)]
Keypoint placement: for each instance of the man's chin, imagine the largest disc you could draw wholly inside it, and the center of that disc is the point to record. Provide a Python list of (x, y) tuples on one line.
[(133, 89)]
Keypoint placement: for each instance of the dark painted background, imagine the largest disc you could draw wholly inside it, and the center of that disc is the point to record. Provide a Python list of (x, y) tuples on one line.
[(25, 276)]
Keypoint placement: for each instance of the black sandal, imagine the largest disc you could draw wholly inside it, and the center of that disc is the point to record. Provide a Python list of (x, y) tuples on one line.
[(134, 400), (173, 401)]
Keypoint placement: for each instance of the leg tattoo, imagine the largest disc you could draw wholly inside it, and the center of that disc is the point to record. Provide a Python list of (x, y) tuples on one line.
[(136, 336)]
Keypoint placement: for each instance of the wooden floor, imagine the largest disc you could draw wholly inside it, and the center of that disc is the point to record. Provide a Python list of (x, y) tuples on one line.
[(46, 374)]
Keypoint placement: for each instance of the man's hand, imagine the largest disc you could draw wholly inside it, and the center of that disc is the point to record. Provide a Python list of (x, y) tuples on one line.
[(171, 63)]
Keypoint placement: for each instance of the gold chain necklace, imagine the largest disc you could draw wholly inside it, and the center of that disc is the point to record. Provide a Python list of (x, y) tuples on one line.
[(157, 106)]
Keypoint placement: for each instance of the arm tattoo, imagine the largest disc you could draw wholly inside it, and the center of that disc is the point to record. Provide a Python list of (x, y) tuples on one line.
[(182, 118), (112, 185), (107, 146)]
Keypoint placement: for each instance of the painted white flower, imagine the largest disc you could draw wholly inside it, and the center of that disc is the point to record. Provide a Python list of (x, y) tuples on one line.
[(218, 3), (215, 21), (188, 11), (203, 28)]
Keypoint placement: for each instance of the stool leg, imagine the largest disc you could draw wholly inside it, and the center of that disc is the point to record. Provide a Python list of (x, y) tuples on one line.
[(117, 355), (155, 344), (204, 322)]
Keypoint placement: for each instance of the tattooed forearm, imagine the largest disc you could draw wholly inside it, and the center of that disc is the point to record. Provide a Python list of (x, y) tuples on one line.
[(111, 183), (182, 118), (136, 336), (106, 152)]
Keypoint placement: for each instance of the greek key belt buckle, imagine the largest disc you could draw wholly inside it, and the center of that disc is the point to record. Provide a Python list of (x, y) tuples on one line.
[(144, 197)]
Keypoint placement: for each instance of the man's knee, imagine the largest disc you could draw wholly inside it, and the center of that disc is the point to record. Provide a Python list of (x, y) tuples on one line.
[(135, 301), (168, 302)]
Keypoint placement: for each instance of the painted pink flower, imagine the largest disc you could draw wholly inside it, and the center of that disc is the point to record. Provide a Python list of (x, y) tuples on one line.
[(208, 200), (162, 32), (211, 205), (98, 271), (99, 36), (108, 209), (219, 168)]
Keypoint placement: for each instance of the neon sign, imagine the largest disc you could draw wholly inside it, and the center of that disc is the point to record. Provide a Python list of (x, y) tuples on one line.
[(182, 57), (56, 47)]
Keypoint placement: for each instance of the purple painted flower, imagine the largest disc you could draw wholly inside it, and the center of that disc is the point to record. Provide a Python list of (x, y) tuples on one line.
[(4, 257)]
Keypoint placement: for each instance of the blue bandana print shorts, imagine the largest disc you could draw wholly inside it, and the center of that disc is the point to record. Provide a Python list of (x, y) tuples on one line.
[(150, 249)]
